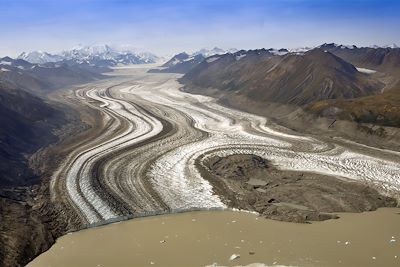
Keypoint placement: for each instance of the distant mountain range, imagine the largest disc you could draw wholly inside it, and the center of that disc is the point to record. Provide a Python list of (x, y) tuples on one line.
[(98, 55)]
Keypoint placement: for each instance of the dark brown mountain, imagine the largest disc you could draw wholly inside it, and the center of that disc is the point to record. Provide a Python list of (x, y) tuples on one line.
[(290, 79)]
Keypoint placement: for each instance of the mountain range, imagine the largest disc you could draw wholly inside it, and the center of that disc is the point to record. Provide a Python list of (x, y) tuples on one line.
[(290, 79), (360, 84), (98, 55)]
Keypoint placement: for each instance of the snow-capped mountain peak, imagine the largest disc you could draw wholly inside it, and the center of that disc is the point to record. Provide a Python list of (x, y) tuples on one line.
[(214, 51), (334, 45), (103, 55), (39, 57), (90, 52)]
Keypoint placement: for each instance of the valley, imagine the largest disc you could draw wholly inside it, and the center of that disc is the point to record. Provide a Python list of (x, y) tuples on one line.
[(154, 138), (199, 133), (139, 139)]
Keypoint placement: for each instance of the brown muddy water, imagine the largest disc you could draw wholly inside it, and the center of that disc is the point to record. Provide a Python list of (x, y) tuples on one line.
[(205, 238)]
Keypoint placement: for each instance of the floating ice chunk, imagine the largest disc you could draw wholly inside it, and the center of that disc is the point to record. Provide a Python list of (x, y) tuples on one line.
[(234, 257)]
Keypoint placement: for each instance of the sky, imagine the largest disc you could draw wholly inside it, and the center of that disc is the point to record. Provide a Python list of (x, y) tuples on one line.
[(167, 27)]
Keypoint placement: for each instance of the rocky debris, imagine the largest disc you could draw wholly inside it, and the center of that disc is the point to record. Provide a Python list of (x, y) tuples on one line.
[(23, 231), (253, 183)]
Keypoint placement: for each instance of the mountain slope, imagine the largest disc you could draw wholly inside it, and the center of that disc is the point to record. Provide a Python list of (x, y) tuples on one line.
[(27, 118), (289, 79), (382, 109), (26, 125)]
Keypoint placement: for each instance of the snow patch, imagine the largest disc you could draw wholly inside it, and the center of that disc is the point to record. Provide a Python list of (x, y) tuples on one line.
[(239, 57), (367, 71)]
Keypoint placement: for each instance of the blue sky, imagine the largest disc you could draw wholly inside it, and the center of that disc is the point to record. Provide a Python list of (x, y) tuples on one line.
[(166, 27)]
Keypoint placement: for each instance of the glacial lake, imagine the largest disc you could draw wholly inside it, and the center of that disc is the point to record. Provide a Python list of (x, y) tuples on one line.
[(205, 238)]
